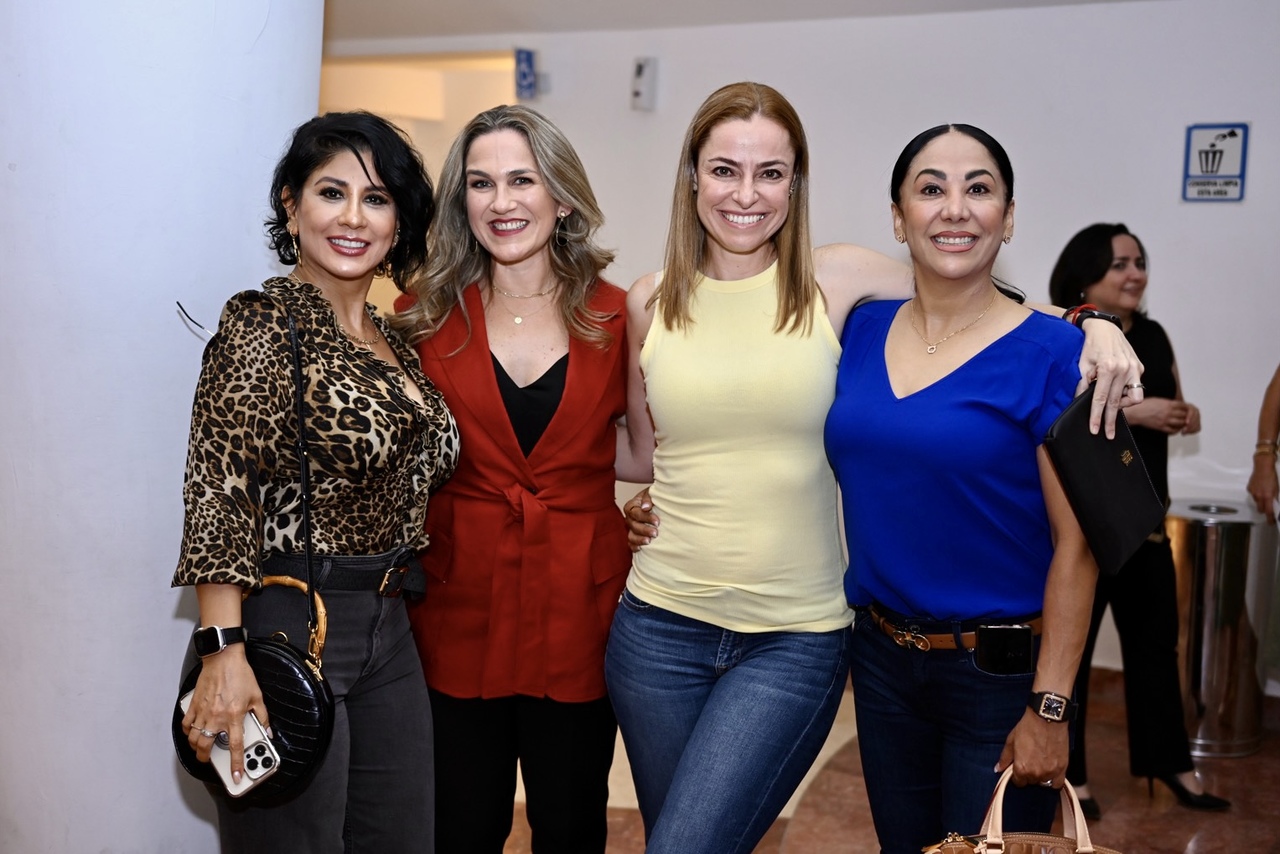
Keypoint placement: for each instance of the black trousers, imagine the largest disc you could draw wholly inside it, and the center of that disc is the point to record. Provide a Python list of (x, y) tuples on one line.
[(372, 794), (564, 751), (1144, 605)]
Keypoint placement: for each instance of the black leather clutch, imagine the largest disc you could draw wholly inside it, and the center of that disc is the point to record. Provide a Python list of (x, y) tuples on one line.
[(1106, 482)]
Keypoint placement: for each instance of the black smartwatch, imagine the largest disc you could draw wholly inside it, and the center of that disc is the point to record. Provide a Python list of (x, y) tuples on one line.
[(212, 640), (1054, 708), (1084, 314)]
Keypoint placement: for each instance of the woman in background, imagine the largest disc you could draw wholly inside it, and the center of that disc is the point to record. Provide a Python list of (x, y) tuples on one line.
[(349, 197), (1106, 265), (528, 550)]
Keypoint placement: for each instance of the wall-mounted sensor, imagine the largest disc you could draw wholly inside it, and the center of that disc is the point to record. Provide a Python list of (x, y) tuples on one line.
[(644, 83)]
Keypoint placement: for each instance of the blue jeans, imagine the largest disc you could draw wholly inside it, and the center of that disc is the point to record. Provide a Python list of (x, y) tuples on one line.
[(931, 727), (719, 726)]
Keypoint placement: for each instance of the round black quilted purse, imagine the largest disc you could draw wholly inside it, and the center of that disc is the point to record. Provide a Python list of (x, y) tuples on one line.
[(298, 698), (299, 708)]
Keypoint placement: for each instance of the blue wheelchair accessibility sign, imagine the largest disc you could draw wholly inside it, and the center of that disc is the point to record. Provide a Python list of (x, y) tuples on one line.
[(526, 75)]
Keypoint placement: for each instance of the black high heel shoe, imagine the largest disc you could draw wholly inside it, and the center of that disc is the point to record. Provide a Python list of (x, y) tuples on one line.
[(1090, 808), (1202, 801)]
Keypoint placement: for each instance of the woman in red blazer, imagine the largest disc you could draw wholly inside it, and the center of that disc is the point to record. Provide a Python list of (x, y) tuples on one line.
[(528, 552)]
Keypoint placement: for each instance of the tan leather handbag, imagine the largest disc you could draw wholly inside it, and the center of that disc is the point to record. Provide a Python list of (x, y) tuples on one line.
[(992, 838)]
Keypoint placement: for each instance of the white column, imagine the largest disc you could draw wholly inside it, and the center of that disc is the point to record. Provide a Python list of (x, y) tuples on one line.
[(137, 140)]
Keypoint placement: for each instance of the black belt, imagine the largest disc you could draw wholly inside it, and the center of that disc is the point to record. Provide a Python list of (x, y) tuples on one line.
[(390, 574)]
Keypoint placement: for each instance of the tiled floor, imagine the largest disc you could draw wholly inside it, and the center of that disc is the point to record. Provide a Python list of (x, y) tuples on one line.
[(830, 815)]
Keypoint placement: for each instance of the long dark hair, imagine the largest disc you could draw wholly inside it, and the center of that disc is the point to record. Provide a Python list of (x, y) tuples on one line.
[(1085, 260), (391, 155)]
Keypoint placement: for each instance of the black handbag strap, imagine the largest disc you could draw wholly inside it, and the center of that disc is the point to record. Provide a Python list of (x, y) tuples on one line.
[(304, 468)]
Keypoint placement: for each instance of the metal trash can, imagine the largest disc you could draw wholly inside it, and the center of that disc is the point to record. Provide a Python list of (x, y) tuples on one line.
[(1226, 560)]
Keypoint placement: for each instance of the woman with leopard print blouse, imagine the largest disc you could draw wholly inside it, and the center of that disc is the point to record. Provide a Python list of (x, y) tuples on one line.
[(349, 198)]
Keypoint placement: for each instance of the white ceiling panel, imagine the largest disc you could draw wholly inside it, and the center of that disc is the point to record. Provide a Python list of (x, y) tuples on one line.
[(347, 20)]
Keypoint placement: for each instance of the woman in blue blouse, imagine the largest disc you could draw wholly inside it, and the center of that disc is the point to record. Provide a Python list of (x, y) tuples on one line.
[(954, 516)]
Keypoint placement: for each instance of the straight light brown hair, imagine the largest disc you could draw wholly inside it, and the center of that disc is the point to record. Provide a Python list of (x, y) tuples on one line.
[(798, 292)]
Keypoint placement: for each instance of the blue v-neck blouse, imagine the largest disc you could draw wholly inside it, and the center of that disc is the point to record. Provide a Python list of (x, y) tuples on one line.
[(943, 509)]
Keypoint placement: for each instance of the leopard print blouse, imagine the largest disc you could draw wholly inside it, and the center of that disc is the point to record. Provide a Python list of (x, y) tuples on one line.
[(375, 453)]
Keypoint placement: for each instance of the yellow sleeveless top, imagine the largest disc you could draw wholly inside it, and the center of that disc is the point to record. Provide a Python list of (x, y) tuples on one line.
[(749, 539)]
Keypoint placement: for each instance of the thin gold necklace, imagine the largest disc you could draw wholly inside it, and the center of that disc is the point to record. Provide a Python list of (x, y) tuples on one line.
[(523, 296), (933, 345), (367, 343), (519, 318)]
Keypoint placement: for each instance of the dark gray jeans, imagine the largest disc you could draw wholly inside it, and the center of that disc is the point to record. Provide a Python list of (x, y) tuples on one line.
[(375, 791)]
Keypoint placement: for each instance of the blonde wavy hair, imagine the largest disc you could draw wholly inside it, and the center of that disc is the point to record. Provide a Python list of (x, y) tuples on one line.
[(456, 259), (798, 291)]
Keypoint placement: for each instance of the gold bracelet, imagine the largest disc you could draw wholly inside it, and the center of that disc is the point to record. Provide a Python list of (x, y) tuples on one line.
[(1265, 449)]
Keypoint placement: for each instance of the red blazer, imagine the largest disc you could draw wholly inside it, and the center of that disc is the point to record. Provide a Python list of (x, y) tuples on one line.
[(528, 556)]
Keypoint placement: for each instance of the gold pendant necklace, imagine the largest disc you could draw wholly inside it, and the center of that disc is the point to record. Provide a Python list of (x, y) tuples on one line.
[(932, 346), (519, 318)]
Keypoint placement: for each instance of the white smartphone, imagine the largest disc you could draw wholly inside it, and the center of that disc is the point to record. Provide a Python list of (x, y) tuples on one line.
[(260, 757)]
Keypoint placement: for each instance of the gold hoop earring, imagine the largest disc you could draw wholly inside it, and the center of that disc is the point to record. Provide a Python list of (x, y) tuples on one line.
[(1007, 238), (901, 238), (297, 250), (560, 239)]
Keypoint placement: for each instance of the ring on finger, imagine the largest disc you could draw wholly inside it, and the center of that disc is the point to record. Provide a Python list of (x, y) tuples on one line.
[(204, 733), (1047, 783), (1134, 386)]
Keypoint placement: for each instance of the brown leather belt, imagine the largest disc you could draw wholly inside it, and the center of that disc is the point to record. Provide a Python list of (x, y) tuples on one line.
[(906, 637)]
